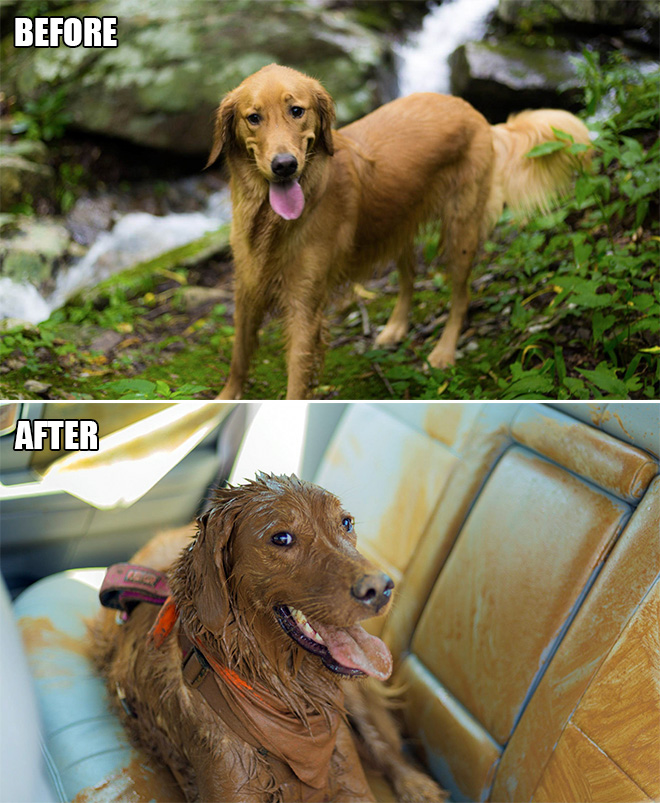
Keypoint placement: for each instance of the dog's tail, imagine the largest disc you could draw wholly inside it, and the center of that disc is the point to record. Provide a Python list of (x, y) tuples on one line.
[(531, 184)]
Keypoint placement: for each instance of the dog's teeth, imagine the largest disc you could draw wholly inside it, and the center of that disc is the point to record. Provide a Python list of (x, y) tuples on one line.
[(304, 625)]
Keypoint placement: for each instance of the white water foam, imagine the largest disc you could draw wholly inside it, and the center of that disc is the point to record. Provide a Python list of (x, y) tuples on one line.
[(423, 58), (138, 236), (22, 301)]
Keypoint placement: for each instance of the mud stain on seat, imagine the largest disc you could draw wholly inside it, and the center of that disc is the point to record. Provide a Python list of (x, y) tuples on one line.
[(39, 633), (142, 780)]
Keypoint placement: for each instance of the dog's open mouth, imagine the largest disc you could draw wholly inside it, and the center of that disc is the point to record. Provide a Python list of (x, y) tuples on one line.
[(347, 651)]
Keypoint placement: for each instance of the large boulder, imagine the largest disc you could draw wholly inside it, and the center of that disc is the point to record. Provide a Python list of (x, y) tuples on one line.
[(608, 13), (499, 78), (176, 59)]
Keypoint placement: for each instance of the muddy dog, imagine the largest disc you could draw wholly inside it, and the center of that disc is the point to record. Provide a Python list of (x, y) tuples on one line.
[(314, 208), (238, 684)]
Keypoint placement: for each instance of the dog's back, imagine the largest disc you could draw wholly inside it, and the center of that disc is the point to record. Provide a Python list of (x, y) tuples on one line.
[(414, 155)]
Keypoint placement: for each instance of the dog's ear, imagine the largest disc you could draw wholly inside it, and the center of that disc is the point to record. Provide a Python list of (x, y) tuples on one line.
[(212, 595), (325, 108), (224, 127)]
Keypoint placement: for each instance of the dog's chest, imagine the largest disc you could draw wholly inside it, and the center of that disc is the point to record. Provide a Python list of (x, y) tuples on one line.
[(290, 789)]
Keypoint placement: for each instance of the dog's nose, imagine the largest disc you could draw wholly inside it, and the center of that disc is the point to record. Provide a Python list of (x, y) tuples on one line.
[(284, 165), (373, 590)]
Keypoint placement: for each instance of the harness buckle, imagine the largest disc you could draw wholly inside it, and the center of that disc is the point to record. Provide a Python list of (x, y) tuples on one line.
[(194, 671)]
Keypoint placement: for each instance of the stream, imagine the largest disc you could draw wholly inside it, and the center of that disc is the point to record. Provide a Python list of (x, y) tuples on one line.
[(422, 66)]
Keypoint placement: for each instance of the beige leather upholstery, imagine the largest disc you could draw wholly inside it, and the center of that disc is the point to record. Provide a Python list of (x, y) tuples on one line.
[(618, 711), (610, 750), (369, 443), (526, 540), (629, 572)]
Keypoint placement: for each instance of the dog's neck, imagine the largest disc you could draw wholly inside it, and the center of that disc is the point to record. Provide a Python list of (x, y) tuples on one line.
[(257, 649)]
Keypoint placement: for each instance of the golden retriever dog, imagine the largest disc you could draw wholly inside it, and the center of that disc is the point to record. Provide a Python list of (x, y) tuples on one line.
[(314, 208), (245, 692)]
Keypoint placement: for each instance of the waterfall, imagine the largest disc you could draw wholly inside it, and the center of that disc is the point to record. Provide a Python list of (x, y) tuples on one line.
[(423, 58)]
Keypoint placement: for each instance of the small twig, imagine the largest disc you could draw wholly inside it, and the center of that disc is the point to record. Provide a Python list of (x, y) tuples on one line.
[(386, 381), (366, 326)]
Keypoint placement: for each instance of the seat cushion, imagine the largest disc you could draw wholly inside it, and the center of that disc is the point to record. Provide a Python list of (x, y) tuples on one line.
[(85, 744)]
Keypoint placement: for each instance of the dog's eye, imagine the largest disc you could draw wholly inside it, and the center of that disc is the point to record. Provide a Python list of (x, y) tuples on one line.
[(254, 119), (297, 111), (347, 524), (282, 539)]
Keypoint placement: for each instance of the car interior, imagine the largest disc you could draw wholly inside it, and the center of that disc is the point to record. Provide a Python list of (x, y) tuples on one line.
[(522, 538)]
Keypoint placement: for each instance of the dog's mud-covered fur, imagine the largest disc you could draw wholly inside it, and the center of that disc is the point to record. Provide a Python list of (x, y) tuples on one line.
[(273, 588)]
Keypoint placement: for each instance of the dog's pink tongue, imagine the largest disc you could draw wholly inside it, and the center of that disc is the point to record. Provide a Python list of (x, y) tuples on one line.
[(287, 199), (354, 648)]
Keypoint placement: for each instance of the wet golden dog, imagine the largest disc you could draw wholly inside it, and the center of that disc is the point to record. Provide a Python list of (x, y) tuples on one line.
[(313, 207), (244, 699)]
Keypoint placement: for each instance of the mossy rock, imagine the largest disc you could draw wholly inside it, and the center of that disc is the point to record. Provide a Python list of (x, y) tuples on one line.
[(600, 13), (174, 62), (31, 251), (499, 78), (20, 177)]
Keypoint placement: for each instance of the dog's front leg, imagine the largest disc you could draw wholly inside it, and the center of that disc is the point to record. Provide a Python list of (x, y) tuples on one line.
[(223, 775), (382, 745), (348, 773), (304, 324), (251, 302)]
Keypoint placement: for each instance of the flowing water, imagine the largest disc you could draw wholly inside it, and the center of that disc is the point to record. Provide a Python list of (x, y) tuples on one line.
[(423, 58), (422, 67), (136, 237)]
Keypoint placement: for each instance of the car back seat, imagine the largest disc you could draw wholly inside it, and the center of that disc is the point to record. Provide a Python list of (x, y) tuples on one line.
[(517, 580), (524, 543)]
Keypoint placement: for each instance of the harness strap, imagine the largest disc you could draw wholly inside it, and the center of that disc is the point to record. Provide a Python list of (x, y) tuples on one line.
[(126, 584)]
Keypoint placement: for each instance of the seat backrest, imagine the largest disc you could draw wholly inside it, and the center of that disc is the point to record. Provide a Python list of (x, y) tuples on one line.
[(497, 521)]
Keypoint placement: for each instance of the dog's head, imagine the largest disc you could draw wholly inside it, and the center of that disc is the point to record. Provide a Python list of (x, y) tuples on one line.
[(282, 553), (278, 117)]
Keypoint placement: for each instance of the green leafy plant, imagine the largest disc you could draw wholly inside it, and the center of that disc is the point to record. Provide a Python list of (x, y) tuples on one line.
[(145, 389), (71, 177), (44, 118)]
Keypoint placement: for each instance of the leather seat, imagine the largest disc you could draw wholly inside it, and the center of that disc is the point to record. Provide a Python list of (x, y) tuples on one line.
[(518, 577)]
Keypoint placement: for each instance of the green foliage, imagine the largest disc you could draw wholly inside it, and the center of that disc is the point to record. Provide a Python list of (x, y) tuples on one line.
[(144, 389), (44, 118), (70, 185), (628, 97)]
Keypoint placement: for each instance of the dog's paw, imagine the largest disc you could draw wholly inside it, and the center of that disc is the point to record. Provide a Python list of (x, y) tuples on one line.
[(414, 786), (392, 334), (442, 357), (229, 393)]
